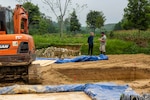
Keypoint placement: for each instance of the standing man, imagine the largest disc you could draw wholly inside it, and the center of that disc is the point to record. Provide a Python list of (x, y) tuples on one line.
[(90, 43), (103, 43)]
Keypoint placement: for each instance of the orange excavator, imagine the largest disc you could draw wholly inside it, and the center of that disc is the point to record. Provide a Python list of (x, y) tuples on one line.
[(17, 49)]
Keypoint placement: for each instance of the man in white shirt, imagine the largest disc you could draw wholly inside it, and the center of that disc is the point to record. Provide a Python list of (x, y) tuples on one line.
[(103, 43)]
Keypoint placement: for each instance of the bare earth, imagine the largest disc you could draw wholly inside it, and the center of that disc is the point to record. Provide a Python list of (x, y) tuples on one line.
[(133, 70), (49, 96)]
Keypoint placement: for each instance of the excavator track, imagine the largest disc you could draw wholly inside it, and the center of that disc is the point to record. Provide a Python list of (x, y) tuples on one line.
[(13, 74), (27, 74)]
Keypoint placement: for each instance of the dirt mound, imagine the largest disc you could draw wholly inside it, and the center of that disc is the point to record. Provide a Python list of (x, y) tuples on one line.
[(53, 77)]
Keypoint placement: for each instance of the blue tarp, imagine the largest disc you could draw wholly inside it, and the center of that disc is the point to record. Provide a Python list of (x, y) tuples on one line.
[(107, 91), (97, 91), (77, 59)]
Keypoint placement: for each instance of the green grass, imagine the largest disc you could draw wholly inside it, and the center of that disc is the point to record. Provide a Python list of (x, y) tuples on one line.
[(116, 45), (54, 39), (132, 35)]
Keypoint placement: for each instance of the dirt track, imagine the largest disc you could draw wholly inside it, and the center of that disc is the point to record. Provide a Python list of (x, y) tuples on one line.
[(121, 69)]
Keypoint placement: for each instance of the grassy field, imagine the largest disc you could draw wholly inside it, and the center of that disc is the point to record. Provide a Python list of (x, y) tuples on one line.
[(120, 42)]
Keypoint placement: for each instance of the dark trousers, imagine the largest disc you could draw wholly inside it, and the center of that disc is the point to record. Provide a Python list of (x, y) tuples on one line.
[(90, 50)]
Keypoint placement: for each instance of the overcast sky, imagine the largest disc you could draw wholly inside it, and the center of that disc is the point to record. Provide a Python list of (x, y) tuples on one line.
[(112, 9)]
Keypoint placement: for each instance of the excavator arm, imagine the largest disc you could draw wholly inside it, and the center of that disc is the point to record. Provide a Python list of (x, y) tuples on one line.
[(20, 18)]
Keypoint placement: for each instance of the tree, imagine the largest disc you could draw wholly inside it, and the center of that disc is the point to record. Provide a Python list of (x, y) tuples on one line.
[(126, 24), (74, 22), (67, 24), (34, 16), (59, 9), (79, 8), (33, 11), (95, 19), (118, 26), (136, 14)]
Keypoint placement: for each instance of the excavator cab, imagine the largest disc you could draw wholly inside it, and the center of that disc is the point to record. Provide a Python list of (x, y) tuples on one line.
[(6, 21)]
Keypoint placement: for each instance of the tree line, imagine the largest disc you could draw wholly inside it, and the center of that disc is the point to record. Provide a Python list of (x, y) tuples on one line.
[(136, 16), (40, 23)]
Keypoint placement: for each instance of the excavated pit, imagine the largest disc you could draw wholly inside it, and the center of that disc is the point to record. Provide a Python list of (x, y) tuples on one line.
[(107, 74)]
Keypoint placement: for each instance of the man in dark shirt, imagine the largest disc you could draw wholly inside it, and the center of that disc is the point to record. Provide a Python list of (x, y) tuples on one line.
[(90, 42)]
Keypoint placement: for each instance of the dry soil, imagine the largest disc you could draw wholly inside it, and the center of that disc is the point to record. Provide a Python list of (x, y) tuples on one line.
[(133, 70)]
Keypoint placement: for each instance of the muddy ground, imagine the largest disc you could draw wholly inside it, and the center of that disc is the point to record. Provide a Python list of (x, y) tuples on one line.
[(133, 70)]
